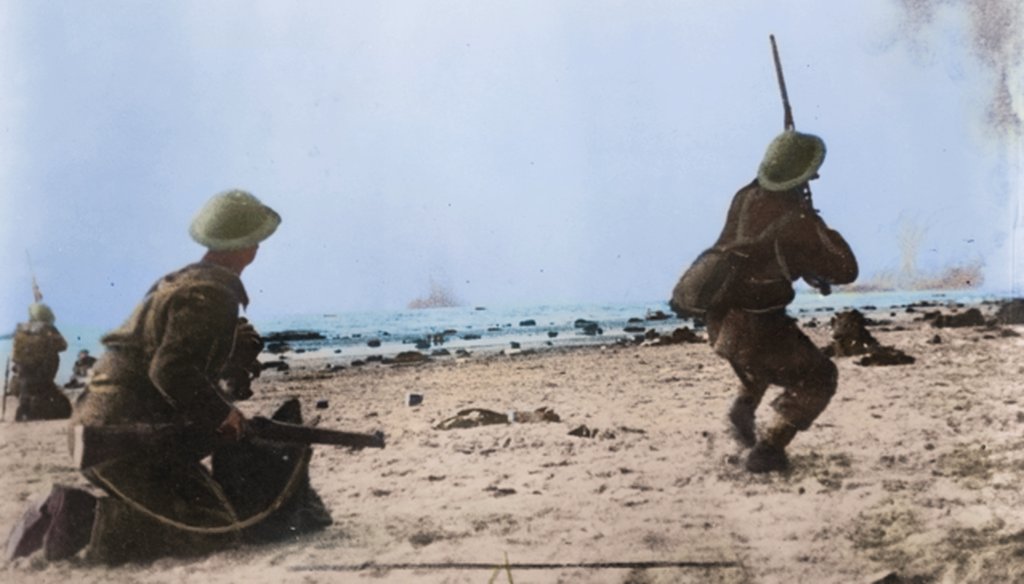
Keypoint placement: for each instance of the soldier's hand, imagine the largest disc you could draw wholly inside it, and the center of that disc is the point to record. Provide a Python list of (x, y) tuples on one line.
[(824, 286), (232, 429)]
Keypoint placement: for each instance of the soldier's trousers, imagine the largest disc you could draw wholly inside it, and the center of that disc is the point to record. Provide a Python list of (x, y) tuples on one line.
[(160, 505), (39, 399), (149, 496), (770, 349)]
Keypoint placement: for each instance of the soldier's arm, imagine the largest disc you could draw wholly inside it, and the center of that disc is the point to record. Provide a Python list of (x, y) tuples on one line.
[(60, 344), (243, 364), (839, 265), (817, 253), (199, 328)]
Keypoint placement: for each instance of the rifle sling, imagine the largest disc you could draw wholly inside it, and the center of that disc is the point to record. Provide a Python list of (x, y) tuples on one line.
[(286, 492)]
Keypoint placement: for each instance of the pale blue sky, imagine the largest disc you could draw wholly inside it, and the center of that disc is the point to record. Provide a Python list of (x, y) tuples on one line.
[(518, 152)]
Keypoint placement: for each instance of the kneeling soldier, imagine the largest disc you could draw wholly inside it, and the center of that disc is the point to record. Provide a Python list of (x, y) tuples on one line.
[(162, 367)]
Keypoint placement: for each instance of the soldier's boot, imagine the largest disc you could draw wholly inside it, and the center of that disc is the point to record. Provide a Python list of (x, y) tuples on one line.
[(73, 512), (769, 454), (741, 416), (60, 524)]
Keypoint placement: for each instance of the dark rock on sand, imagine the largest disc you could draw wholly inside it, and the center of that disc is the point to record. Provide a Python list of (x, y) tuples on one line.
[(972, 317), (407, 358), (583, 432), (678, 336), (293, 335), (884, 355), (277, 348), (850, 335), (276, 365), (1011, 312)]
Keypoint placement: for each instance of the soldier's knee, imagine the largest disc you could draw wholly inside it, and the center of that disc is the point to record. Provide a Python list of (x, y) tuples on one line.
[(803, 402)]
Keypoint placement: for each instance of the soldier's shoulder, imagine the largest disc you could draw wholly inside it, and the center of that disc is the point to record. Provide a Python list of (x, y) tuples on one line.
[(203, 282)]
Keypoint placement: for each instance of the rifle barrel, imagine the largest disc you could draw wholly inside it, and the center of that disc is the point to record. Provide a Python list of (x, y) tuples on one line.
[(273, 430), (788, 121)]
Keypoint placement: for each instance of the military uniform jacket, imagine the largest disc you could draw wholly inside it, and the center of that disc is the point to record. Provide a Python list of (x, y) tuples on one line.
[(771, 239), (36, 351), (162, 364)]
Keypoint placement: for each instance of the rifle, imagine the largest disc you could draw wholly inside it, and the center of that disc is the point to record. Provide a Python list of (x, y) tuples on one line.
[(787, 122), (7, 377), (36, 292), (92, 445)]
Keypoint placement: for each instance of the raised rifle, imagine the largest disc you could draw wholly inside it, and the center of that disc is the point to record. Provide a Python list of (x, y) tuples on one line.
[(787, 122), (92, 445), (37, 294)]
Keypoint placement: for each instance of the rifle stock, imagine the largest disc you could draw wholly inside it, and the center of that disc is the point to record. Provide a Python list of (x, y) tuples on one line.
[(92, 445)]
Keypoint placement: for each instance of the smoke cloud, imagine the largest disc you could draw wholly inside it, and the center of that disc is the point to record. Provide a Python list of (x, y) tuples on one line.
[(957, 276), (439, 296), (996, 39)]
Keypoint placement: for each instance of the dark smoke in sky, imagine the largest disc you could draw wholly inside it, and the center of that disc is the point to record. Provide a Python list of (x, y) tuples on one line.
[(996, 41)]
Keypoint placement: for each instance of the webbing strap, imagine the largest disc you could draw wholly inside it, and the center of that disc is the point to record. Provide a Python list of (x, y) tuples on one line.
[(235, 526)]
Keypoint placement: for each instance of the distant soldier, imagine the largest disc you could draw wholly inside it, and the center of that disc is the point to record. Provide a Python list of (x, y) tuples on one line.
[(742, 285), (81, 370), (164, 366), (35, 360)]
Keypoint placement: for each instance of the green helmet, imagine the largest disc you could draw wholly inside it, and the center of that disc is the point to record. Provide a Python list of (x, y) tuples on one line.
[(233, 220), (791, 160), (39, 312)]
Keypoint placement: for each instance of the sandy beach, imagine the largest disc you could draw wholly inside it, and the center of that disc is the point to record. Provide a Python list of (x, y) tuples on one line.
[(913, 473)]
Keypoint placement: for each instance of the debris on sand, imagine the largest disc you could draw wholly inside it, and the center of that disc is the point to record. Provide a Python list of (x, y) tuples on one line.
[(1011, 312), (850, 337), (972, 317), (883, 355), (475, 417)]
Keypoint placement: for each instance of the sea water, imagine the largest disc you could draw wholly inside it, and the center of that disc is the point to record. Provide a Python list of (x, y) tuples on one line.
[(346, 336)]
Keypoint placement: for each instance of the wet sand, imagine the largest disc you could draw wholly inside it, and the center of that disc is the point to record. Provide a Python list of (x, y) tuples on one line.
[(914, 471)]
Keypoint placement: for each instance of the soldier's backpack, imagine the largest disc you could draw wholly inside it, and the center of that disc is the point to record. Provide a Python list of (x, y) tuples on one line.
[(719, 279)]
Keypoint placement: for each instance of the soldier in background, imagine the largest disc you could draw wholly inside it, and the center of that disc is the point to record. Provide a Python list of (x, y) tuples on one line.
[(35, 360), (81, 370), (742, 285)]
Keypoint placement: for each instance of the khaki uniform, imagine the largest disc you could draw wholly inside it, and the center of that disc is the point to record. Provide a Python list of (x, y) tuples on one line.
[(162, 365), (35, 362), (782, 239)]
